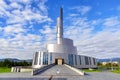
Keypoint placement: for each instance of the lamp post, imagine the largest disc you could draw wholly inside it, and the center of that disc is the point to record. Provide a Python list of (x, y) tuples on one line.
[(111, 64)]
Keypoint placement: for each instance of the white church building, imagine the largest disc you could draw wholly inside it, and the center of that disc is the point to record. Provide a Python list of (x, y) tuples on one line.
[(63, 52)]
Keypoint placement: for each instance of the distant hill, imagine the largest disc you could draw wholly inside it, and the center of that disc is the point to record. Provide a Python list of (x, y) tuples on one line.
[(108, 60), (30, 60), (16, 60)]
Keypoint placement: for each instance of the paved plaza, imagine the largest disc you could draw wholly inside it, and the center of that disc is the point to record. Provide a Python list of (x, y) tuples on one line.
[(88, 76), (60, 73)]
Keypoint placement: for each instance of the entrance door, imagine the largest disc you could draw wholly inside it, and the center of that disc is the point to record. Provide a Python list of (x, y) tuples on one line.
[(59, 61)]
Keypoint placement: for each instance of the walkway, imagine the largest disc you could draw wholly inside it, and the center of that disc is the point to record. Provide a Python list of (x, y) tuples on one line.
[(60, 73), (59, 70)]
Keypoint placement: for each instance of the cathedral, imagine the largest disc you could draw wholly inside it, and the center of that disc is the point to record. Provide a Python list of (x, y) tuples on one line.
[(63, 52)]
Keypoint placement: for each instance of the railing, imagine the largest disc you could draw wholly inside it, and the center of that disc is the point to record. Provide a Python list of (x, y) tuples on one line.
[(42, 69)]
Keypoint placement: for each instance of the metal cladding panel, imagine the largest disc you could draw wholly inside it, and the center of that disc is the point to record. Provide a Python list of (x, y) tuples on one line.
[(38, 59), (67, 41), (60, 48)]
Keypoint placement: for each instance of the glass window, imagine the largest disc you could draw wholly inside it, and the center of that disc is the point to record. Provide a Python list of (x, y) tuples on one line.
[(70, 59), (50, 58), (36, 58), (45, 58), (40, 58), (90, 60), (80, 59), (94, 61), (86, 60), (75, 59)]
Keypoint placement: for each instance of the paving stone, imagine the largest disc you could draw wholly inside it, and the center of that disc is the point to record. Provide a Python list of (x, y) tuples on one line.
[(60, 73)]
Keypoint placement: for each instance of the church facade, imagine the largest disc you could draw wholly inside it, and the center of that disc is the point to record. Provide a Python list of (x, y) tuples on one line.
[(63, 52)]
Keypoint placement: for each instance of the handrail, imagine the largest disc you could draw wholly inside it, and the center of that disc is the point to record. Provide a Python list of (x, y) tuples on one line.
[(42, 69)]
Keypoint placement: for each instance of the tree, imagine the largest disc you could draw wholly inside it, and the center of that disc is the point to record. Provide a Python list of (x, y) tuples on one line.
[(7, 63)]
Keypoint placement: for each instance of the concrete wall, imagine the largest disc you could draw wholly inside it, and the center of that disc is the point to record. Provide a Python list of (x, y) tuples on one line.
[(21, 69)]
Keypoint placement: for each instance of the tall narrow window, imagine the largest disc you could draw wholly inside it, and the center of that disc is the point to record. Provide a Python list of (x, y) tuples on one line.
[(70, 59), (86, 60), (90, 60), (45, 58), (36, 58), (94, 61), (75, 59), (50, 58), (40, 58), (80, 59)]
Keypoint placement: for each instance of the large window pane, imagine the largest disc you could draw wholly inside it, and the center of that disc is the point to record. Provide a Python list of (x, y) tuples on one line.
[(94, 61), (45, 58), (75, 59), (70, 59), (80, 59), (86, 60), (36, 58), (50, 58)]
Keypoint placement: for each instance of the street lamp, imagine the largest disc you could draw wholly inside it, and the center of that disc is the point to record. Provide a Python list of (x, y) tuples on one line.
[(111, 64)]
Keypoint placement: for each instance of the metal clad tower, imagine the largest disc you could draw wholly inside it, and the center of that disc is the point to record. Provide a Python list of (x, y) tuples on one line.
[(60, 27), (64, 45), (62, 52)]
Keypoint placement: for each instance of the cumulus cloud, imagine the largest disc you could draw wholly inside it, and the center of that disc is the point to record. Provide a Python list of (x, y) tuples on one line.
[(18, 18), (49, 34), (112, 21), (21, 1), (82, 9), (20, 39), (100, 44)]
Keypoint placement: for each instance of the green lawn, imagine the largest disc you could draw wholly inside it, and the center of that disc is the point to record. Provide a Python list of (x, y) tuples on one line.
[(116, 71), (93, 70), (4, 69)]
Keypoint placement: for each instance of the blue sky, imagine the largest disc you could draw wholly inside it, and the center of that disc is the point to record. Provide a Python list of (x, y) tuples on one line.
[(27, 26)]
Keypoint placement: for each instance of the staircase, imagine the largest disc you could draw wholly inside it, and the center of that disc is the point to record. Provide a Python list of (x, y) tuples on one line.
[(61, 70)]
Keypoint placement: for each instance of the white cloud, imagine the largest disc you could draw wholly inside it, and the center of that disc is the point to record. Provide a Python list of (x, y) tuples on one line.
[(49, 34), (112, 21), (21, 45), (101, 44), (82, 9), (17, 41), (3, 8), (21, 1), (16, 5), (73, 15), (13, 29)]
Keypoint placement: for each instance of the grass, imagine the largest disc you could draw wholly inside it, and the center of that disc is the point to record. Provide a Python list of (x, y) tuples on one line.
[(4, 69), (91, 70), (116, 71)]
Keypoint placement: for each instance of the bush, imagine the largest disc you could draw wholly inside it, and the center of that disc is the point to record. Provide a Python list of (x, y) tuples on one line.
[(8, 63)]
